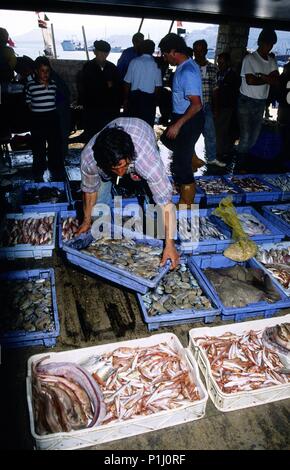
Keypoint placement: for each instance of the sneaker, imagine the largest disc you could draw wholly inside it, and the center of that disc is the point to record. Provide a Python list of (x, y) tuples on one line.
[(217, 163)]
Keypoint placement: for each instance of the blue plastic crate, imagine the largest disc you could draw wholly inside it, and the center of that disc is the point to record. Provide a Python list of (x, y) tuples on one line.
[(73, 173), (26, 250), (275, 236), (263, 308), (108, 271), (285, 195), (22, 338), (269, 246), (274, 194), (179, 316), (46, 206), (213, 199), (210, 245), (75, 195), (275, 219)]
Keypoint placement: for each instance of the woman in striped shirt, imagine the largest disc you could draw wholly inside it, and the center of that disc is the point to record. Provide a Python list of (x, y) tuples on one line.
[(45, 126)]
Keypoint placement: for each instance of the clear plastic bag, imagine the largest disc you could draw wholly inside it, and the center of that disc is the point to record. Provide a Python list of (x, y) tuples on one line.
[(244, 248)]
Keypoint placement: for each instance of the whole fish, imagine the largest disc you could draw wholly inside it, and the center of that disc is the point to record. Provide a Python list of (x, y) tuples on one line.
[(33, 231), (283, 213), (215, 186), (70, 226), (280, 181), (240, 362), (251, 184), (44, 194), (205, 228), (251, 225), (239, 286)]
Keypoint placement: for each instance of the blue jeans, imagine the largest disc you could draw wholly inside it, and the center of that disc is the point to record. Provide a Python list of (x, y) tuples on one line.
[(250, 113), (209, 133), (104, 194)]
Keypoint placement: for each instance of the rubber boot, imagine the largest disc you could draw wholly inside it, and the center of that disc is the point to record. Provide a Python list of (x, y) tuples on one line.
[(196, 162), (187, 193)]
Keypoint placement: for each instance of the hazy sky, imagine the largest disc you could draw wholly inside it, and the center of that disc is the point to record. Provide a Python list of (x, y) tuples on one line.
[(19, 22)]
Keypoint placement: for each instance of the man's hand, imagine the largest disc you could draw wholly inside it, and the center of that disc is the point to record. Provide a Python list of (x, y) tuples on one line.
[(172, 131), (170, 252), (83, 228)]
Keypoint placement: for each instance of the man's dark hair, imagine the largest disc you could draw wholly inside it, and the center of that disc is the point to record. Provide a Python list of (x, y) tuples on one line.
[(137, 37), (226, 56), (173, 41), (102, 46), (267, 36), (198, 42), (148, 46), (112, 145), (41, 60)]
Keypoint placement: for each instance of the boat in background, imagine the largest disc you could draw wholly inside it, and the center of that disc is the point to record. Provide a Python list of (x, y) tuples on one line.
[(72, 45)]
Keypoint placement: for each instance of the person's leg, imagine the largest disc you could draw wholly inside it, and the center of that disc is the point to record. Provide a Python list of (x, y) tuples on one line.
[(38, 145), (222, 127), (209, 133), (256, 120), (55, 154)]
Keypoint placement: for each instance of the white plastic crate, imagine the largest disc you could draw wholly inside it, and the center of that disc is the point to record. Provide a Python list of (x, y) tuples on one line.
[(239, 400), (121, 429)]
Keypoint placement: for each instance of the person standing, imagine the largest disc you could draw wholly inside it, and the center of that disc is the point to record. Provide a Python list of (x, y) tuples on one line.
[(100, 90), (142, 84), (129, 54), (209, 83), (225, 114), (284, 113), (259, 71), (187, 118), (45, 128)]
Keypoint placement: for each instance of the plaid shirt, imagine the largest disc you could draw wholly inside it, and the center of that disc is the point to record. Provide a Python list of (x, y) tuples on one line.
[(209, 82), (148, 163)]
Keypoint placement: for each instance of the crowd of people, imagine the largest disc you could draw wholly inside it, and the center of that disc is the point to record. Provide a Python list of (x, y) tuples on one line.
[(194, 97)]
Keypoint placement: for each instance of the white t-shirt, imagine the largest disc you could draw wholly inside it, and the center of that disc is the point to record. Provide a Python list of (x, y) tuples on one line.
[(253, 63), (143, 74)]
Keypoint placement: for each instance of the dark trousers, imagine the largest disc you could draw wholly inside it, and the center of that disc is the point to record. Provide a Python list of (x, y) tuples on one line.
[(45, 129), (95, 119), (224, 131), (183, 147), (143, 106)]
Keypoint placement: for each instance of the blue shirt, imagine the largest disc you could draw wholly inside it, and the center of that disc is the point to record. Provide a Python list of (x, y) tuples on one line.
[(125, 59), (186, 82)]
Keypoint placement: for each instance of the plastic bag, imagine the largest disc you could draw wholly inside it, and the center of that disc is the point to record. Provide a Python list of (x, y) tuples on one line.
[(244, 248)]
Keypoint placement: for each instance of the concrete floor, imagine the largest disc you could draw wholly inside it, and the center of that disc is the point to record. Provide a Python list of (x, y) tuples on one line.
[(93, 312)]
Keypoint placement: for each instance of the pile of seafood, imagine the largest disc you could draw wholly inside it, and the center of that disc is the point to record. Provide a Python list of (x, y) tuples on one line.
[(251, 184), (33, 231), (240, 362), (203, 230), (50, 194), (142, 381), (251, 225), (281, 181), (139, 258), (283, 213), (26, 305), (70, 226), (238, 286), (215, 186), (65, 397), (277, 339), (178, 290), (277, 261)]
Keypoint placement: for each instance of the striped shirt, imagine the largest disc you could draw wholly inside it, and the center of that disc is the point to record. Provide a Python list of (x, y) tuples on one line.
[(148, 163), (40, 97), (209, 80)]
